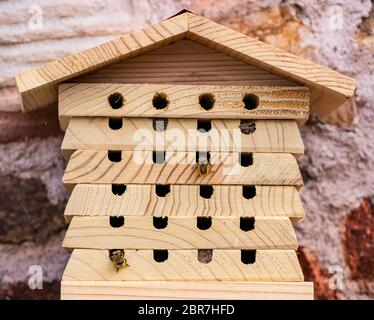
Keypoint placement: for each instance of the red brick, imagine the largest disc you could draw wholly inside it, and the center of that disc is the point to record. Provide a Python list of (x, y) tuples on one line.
[(314, 272)]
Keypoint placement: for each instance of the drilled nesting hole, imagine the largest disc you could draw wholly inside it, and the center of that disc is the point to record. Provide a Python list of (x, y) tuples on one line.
[(116, 100), (116, 222), (118, 189), (160, 222), (115, 123), (248, 256), (249, 192), (114, 156), (247, 126), (247, 223), (159, 124), (160, 255), (204, 255), (160, 100), (162, 189), (204, 223), (206, 101), (204, 125), (251, 101), (245, 159), (158, 156), (206, 191)]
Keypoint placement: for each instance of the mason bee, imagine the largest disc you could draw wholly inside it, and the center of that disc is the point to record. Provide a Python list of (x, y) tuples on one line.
[(118, 258), (203, 164), (204, 169)]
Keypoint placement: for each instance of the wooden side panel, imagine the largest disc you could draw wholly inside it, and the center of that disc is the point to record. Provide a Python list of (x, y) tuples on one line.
[(185, 290), (185, 62), (91, 166), (183, 265), (85, 99), (180, 233), (142, 200), (182, 135)]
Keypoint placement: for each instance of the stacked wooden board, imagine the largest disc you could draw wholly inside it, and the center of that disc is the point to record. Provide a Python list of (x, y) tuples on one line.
[(134, 173)]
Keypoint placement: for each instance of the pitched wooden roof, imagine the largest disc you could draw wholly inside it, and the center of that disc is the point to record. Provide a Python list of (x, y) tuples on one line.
[(329, 89)]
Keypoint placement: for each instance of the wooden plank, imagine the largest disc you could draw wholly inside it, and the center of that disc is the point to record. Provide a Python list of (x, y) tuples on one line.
[(184, 201), (185, 62), (96, 232), (91, 166), (86, 100), (183, 265), (38, 86), (329, 89), (191, 290), (182, 135)]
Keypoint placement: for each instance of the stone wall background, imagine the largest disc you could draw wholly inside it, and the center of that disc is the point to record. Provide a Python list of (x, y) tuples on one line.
[(337, 236)]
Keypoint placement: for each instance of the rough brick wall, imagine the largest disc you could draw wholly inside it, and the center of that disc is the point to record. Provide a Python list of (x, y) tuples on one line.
[(337, 237)]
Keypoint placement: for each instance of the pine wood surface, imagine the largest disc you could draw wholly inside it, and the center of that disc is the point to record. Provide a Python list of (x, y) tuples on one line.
[(90, 166), (184, 201), (181, 134), (96, 232), (183, 265), (185, 62), (185, 290), (91, 99)]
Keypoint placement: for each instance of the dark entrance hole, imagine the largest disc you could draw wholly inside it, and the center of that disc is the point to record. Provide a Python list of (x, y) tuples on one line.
[(160, 255), (245, 159), (114, 156), (116, 222), (115, 123), (204, 223), (247, 223), (206, 191), (206, 101), (162, 189), (160, 100), (248, 256), (116, 100), (160, 222), (118, 189), (251, 101), (249, 192)]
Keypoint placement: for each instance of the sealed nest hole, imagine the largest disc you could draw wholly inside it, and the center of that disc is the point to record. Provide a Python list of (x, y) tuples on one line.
[(247, 126), (204, 255)]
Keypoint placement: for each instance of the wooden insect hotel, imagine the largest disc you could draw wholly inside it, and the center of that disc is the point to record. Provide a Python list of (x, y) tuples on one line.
[(181, 143)]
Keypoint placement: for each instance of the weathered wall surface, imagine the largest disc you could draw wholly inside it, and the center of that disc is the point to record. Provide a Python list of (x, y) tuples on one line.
[(337, 237)]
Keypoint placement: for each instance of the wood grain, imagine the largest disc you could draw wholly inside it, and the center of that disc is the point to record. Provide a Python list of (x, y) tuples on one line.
[(329, 89), (184, 201), (185, 290), (183, 265), (185, 62), (181, 134), (180, 233), (91, 166), (38, 86), (87, 99)]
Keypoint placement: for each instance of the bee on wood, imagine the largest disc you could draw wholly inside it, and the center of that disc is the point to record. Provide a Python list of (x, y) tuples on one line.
[(118, 258), (204, 169), (203, 164)]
